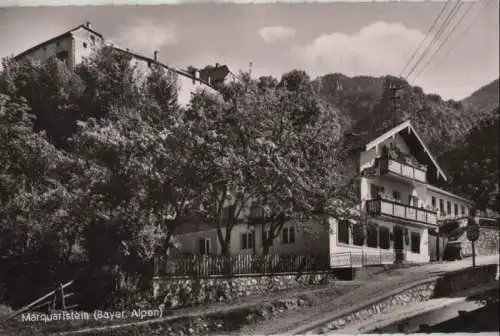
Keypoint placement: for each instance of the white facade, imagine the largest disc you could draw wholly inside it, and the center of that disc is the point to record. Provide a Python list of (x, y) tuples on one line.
[(79, 43), (298, 239), (399, 201), (71, 47)]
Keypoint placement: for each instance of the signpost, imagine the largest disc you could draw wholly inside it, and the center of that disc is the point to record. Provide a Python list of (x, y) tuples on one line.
[(472, 236)]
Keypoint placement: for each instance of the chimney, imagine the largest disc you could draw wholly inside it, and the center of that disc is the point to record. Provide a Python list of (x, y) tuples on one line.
[(88, 24), (156, 56)]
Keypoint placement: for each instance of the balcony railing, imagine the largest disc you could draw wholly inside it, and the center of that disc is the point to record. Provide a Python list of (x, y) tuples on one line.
[(378, 207), (392, 166)]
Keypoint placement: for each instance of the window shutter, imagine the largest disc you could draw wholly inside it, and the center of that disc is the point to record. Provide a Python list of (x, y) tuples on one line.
[(243, 241), (208, 246), (201, 246)]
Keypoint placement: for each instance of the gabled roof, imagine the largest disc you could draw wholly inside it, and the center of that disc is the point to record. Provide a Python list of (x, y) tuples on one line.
[(410, 135), (63, 35)]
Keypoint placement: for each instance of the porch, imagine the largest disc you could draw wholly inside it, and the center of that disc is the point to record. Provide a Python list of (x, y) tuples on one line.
[(377, 242)]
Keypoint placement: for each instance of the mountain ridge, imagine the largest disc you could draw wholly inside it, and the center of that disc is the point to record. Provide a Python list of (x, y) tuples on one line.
[(367, 105)]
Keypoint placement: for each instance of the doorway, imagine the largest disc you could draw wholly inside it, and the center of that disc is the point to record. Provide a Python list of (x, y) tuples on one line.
[(399, 243)]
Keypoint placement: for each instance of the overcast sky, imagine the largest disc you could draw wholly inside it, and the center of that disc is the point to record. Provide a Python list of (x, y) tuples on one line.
[(352, 38)]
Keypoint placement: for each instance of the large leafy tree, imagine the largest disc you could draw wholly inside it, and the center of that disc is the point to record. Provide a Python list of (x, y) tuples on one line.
[(267, 149), (122, 181), (39, 191), (50, 90)]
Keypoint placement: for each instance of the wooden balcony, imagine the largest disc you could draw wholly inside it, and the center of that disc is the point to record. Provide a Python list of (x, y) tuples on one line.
[(382, 207), (392, 166)]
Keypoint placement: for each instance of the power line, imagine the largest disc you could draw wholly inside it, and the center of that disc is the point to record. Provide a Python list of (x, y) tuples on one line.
[(436, 37), (473, 23), (425, 37), (445, 40)]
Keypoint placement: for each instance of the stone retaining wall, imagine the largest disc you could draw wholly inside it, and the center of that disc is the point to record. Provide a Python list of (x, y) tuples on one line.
[(230, 321), (183, 292), (445, 286), (411, 296), (464, 279)]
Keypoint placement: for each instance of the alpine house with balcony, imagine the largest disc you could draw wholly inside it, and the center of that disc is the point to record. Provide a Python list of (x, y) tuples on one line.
[(401, 206)]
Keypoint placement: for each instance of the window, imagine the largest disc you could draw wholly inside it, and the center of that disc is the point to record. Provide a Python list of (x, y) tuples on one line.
[(228, 212), (455, 206), (343, 232), (376, 190), (448, 207), (288, 235), (92, 38), (84, 44), (413, 201), (415, 242), (385, 237), (204, 246), (358, 238), (396, 195), (372, 235), (433, 201), (247, 240), (441, 207), (63, 56), (463, 210)]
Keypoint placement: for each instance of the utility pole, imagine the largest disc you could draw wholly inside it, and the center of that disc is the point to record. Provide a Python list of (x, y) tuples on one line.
[(339, 88), (394, 95)]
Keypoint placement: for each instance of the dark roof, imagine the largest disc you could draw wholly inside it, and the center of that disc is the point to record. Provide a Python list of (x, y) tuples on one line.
[(358, 138), (152, 61), (65, 34)]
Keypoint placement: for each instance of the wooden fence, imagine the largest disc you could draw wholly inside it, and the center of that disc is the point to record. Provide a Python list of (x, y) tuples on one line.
[(361, 258), (216, 265)]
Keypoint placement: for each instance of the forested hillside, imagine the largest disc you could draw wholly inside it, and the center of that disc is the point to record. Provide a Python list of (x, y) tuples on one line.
[(473, 164), (367, 104)]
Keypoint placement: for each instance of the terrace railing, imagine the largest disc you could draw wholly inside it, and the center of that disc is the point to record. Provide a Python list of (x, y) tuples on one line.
[(403, 169), (377, 207)]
